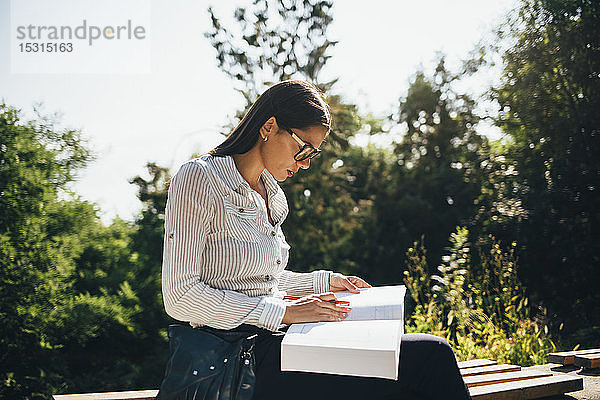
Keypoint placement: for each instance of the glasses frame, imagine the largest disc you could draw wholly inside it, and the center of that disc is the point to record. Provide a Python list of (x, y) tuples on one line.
[(314, 151)]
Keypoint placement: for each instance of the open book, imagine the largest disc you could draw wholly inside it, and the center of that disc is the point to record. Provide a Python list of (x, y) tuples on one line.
[(366, 343)]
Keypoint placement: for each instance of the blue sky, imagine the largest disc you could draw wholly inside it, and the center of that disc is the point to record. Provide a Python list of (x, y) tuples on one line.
[(177, 108)]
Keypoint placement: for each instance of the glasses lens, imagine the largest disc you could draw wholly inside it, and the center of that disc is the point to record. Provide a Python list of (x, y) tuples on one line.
[(306, 152)]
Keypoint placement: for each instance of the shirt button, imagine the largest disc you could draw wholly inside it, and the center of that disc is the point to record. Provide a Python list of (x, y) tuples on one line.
[(273, 233), (267, 278), (278, 261), (241, 209)]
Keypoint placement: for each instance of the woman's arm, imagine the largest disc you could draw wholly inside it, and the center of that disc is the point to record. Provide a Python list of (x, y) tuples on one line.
[(186, 298), (303, 283)]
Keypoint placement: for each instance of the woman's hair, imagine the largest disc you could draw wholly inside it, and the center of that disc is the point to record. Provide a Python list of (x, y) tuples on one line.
[(294, 104)]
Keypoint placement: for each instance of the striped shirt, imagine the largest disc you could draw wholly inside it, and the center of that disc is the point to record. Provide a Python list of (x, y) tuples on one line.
[(223, 261)]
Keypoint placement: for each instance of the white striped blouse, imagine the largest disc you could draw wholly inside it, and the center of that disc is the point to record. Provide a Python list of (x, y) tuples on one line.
[(223, 262)]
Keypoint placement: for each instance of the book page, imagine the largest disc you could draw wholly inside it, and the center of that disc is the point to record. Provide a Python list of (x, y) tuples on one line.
[(375, 303), (383, 334)]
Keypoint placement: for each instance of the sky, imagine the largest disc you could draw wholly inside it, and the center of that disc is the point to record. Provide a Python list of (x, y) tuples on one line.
[(178, 102)]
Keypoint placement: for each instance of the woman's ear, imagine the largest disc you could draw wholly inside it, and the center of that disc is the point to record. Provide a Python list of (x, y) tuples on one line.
[(269, 128)]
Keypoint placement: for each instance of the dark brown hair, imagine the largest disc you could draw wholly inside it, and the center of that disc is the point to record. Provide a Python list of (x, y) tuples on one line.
[(294, 104)]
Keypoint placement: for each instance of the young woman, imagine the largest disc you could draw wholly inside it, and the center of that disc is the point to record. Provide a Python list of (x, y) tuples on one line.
[(225, 255)]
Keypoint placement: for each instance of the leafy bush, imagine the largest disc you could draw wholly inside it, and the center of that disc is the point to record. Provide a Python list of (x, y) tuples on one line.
[(479, 307)]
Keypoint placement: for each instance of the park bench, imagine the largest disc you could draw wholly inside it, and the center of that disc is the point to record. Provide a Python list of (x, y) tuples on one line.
[(486, 380), (128, 395), (580, 358)]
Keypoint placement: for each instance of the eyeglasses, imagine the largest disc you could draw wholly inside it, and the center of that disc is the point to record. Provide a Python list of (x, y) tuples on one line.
[(307, 150)]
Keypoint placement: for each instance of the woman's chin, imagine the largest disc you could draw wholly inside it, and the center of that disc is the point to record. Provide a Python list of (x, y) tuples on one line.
[(283, 176), (280, 177)]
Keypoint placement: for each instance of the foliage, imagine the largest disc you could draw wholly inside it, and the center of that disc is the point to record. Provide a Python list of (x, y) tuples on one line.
[(281, 39), (549, 99), (79, 309), (430, 181), (482, 310), (36, 161)]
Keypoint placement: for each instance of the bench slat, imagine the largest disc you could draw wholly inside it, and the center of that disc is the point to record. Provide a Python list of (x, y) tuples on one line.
[(587, 360), (481, 362), (128, 395), (528, 389), (488, 379), (489, 369), (568, 357)]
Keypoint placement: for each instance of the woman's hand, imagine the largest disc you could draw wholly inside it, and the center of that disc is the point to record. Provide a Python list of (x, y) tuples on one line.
[(340, 283), (315, 308)]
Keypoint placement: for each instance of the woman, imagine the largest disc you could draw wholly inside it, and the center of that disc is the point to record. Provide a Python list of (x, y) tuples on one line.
[(225, 255)]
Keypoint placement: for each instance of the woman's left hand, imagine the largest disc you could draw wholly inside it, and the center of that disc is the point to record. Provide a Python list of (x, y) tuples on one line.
[(340, 283)]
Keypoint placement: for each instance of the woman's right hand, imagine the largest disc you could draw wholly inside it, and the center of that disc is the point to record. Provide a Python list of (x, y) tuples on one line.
[(314, 308)]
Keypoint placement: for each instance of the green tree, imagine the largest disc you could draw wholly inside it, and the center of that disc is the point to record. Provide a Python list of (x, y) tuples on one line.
[(324, 208), (281, 39), (147, 243), (36, 162), (549, 99), (76, 303), (430, 182)]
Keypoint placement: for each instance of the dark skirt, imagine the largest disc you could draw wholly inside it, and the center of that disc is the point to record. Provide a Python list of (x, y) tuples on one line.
[(427, 370)]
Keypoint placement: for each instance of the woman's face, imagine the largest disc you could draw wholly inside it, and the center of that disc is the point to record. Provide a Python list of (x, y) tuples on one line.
[(280, 148)]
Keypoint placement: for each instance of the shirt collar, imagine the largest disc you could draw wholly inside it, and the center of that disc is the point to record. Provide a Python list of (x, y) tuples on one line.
[(226, 168), (234, 180)]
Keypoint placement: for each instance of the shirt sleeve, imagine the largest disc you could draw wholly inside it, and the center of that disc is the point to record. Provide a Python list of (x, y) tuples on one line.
[(186, 298), (302, 284)]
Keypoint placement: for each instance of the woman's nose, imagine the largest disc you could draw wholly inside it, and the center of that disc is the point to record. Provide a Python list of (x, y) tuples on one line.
[(304, 164)]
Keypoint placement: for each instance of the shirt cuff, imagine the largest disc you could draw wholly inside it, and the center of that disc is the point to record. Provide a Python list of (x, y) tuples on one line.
[(321, 281), (272, 313)]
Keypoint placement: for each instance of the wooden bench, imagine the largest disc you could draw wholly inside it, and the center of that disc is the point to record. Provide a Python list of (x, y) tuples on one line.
[(486, 380), (581, 358), (588, 360), (489, 381), (129, 395)]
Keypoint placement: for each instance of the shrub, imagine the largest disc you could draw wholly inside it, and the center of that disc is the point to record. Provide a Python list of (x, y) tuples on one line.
[(479, 307)]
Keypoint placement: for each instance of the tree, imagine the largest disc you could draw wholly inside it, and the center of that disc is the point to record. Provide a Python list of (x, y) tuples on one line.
[(36, 162), (431, 181), (549, 99), (76, 305), (275, 46)]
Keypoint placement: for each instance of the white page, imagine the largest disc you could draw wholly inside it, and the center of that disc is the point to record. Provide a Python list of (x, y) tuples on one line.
[(375, 303), (382, 334)]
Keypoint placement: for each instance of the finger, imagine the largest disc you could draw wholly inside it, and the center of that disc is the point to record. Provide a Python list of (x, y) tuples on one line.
[(334, 316), (359, 282), (335, 307), (350, 286), (326, 296), (330, 317)]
